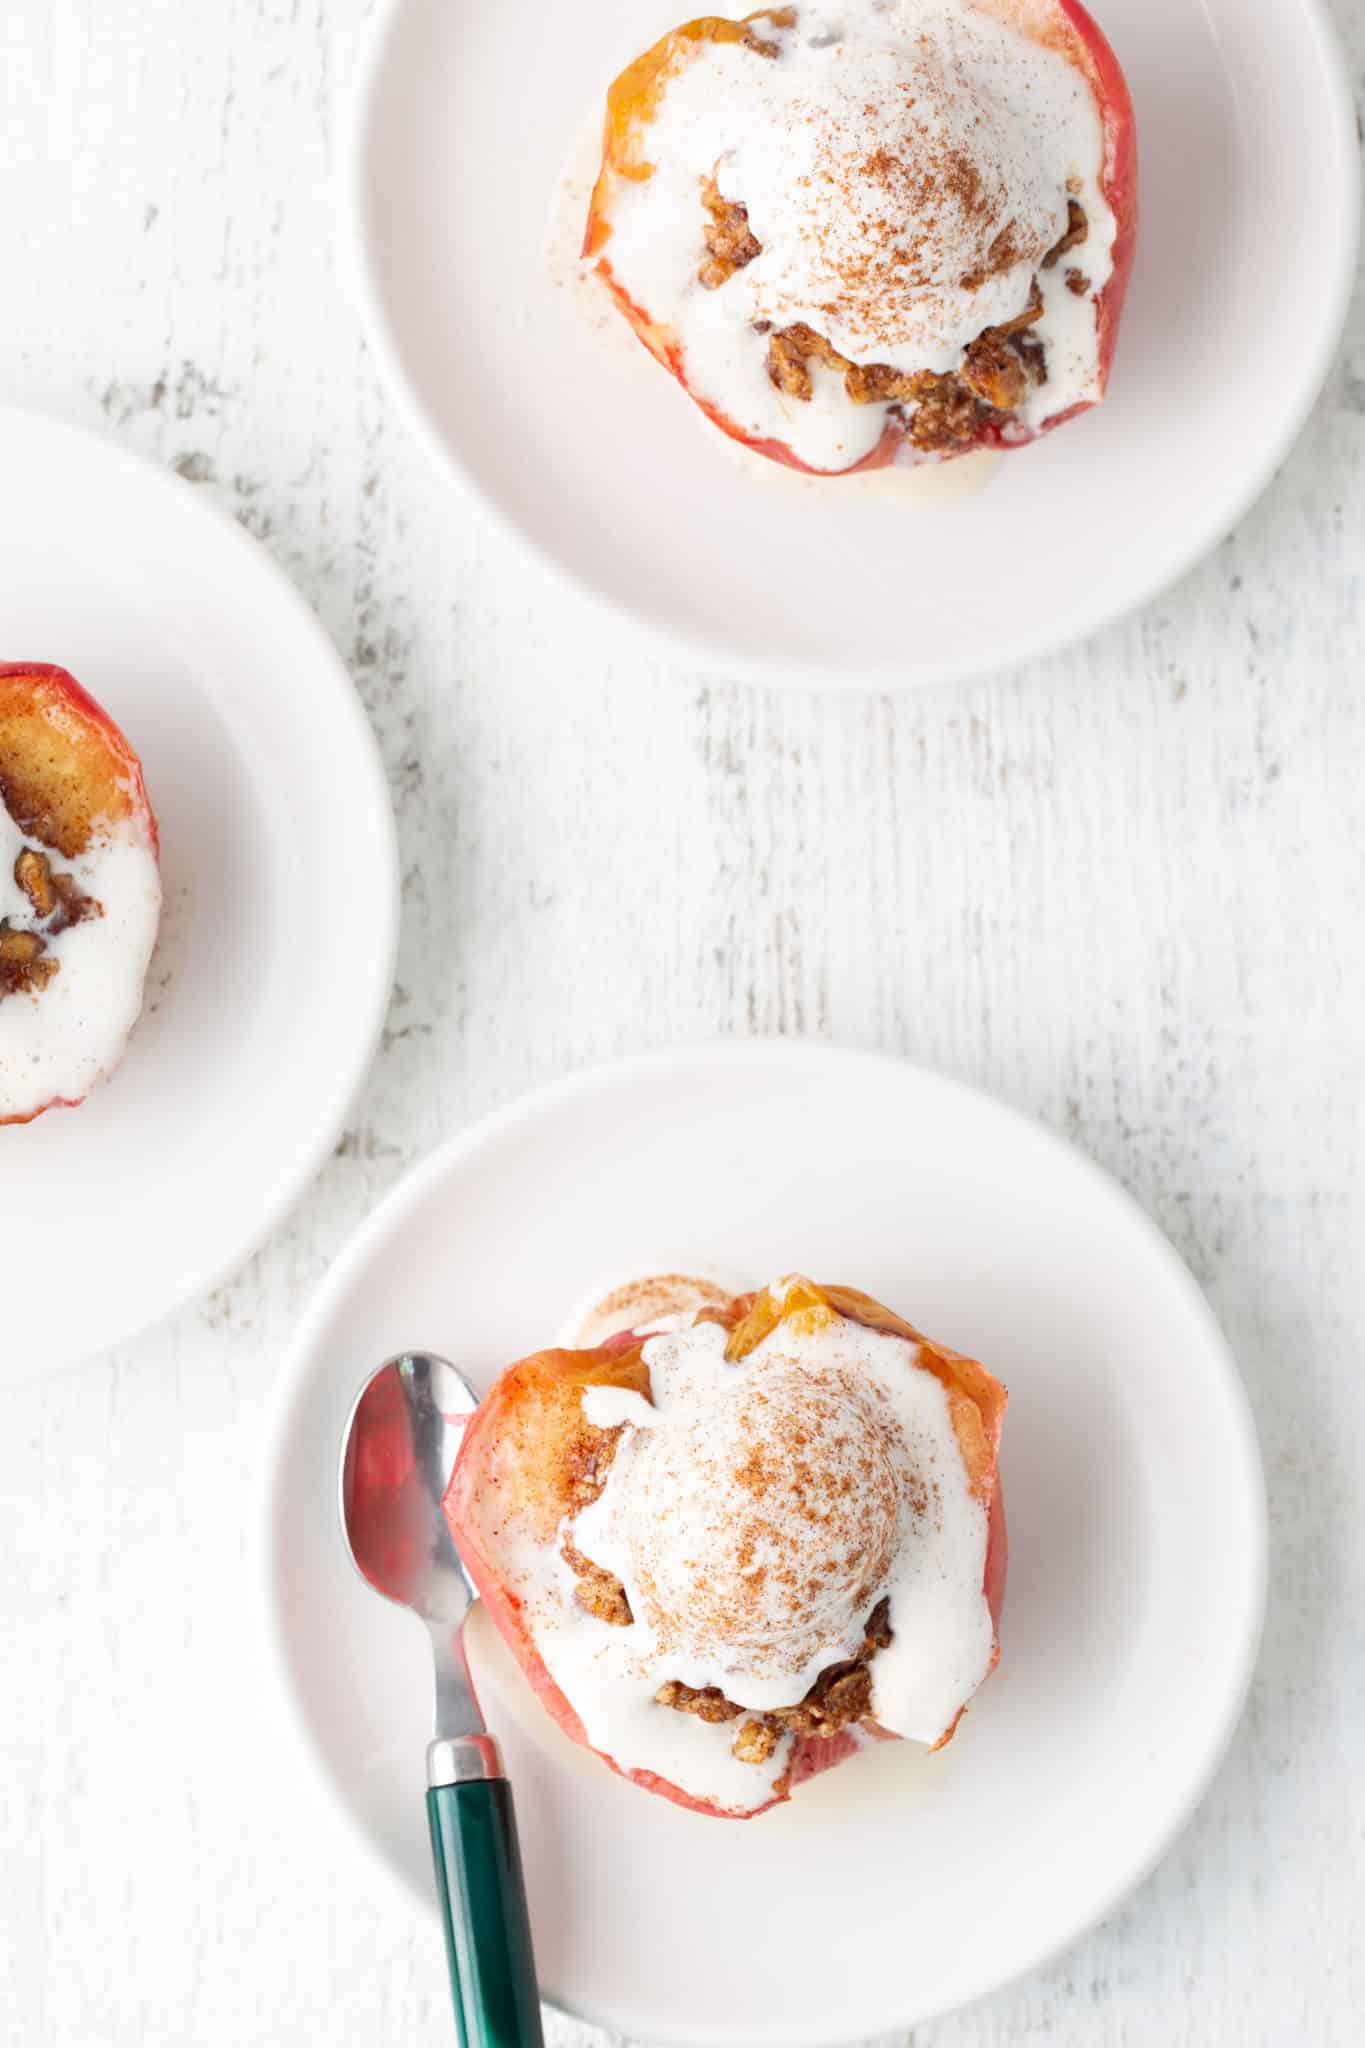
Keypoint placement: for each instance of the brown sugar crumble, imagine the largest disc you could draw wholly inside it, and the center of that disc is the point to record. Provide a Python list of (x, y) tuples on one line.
[(57, 903), (730, 241), (1077, 228), (590, 1456), (755, 1742), (841, 1695), (599, 1591), (1001, 365), (707, 1702), (54, 897), (25, 966)]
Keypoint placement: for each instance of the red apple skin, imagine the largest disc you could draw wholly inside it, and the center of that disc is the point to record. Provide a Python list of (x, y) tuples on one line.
[(479, 1456), (56, 1102), (1068, 26), (110, 778)]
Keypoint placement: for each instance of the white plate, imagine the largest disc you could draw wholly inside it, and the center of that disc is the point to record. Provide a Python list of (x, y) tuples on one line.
[(278, 865), (901, 1884), (582, 445)]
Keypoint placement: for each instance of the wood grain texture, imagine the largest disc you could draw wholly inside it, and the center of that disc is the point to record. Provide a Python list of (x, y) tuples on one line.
[(1124, 888)]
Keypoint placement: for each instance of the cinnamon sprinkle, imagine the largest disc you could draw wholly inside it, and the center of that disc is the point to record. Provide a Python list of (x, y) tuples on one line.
[(899, 198), (800, 1490)]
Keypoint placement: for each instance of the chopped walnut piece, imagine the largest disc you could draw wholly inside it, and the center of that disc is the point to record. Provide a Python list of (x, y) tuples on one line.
[(815, 345), (790, 349), (877, 1635), (947, 415), (844, 1696), (994, 371), (54, 897), (729, 239), (1077, 282), (787, 367), (1077, 228), (871, 383), (599, 1591), (25, 964), (19, 946), (755, 1742), (590, 1457), (34, 877), (72, 906), (707, 1702)]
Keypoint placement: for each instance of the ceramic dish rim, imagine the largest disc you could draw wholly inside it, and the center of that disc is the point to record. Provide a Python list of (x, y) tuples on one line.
[(701, 653), (412, 1190)]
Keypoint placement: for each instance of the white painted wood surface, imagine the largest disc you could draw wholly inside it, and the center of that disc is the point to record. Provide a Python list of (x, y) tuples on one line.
[(1124, 888)]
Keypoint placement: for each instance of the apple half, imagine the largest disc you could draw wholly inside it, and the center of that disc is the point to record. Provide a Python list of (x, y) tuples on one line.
[(80, 892), (531, 1458), (971, 407)]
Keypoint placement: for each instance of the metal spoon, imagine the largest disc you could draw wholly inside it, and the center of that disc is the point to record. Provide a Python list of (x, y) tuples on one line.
[(396, 1459)]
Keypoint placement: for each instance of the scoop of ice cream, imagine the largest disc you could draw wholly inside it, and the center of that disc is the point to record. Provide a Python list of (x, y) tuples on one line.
[(763, 1527), (904, 197)]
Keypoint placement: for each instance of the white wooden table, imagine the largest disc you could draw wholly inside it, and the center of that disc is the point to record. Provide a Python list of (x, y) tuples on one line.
[(1124, 888)]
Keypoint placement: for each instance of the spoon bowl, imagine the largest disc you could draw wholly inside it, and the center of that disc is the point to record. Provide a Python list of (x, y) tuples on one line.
[(402, 1439)]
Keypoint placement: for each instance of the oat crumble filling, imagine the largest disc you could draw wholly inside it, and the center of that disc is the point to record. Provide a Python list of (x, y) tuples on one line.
[(840, 1697), (56, 903), (949, 411)]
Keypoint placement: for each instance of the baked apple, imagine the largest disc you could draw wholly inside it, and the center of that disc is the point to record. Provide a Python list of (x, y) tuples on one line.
[(883, 230), (733, 1547), (80, 891)]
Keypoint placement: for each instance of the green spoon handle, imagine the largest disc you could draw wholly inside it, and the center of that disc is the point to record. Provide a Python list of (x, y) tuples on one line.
[(482, 1894)]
